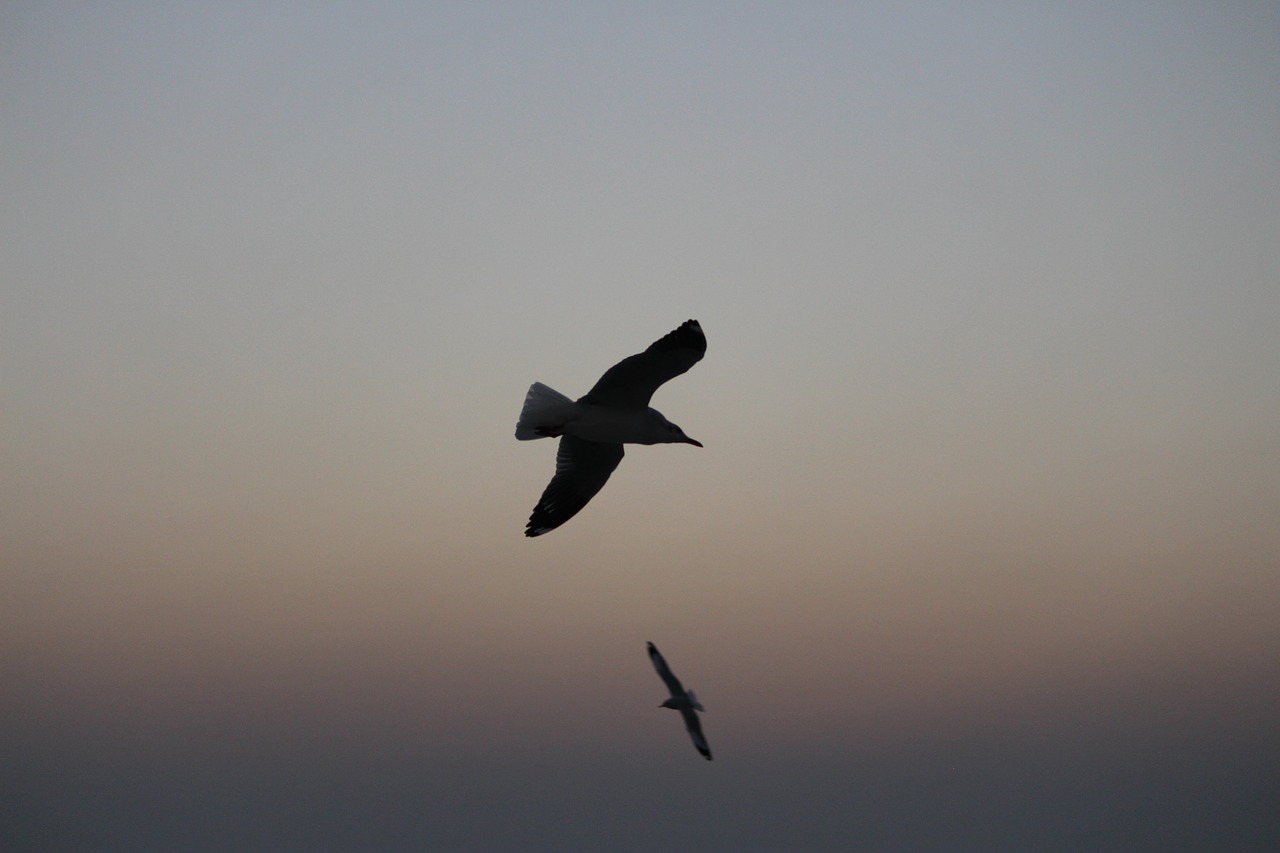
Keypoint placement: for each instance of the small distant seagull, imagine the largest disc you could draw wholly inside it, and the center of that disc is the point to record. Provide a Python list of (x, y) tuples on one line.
[(593, 429), (681, 700)]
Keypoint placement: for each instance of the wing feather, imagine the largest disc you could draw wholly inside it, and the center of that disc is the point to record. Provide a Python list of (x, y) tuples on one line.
[(664, 672), (694, 727), (630, 383), (582, 469)]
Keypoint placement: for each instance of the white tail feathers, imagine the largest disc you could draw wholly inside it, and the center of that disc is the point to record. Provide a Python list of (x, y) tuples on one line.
[(544, 413), (693, 701)]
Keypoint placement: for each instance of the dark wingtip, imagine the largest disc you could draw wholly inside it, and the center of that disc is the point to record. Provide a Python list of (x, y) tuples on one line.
[(688, 335)]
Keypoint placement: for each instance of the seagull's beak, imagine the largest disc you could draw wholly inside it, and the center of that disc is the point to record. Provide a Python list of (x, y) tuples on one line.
[(692, 441)]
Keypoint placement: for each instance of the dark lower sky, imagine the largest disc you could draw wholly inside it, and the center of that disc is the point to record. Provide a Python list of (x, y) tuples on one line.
[(1086, 783)]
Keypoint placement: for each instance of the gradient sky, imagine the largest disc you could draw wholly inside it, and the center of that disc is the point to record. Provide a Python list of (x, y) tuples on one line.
[(981, 552)]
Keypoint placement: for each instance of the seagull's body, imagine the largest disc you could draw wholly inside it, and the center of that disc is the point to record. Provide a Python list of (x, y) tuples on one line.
[(593, 428), (681, 700)]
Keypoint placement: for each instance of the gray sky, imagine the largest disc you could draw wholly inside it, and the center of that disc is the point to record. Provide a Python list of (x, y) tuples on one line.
[(980, 553)]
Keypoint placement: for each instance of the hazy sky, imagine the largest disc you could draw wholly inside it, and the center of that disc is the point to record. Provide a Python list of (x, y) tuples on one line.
[(981, 552)]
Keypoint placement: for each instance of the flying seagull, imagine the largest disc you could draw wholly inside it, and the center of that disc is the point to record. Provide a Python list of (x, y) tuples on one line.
[(681, 700), (593, 429)]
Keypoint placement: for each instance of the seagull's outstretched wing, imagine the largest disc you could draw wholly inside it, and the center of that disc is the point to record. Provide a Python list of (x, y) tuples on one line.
[(630, 383), (694, 726), (664, 672), (582, 469)]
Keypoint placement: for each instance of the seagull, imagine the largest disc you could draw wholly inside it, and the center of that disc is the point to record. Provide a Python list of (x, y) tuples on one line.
[(681, 700), (593, 429)]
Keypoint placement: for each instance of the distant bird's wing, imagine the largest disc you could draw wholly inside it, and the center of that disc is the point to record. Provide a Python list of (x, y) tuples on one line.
[(582, 469), (630, 383), (664, 672), (694, 725)]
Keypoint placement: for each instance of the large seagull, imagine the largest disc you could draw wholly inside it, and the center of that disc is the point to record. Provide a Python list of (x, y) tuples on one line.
[(681, 700), (593, 429)]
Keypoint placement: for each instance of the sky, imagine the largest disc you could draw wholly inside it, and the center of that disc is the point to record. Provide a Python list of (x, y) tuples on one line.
[(980, 552)]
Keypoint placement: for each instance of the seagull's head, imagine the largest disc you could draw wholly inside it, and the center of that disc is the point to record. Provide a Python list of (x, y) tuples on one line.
[(659, 430)]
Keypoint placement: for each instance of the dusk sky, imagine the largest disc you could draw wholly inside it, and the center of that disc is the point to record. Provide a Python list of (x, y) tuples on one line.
[(982, 552)]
